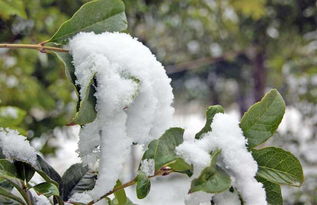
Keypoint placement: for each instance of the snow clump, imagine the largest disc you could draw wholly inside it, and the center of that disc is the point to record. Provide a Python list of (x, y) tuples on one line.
[(133, 95), (16, 147)]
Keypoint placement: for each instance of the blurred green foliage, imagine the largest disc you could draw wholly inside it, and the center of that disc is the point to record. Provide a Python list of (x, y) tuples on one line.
[(32, 81), (224, 52)]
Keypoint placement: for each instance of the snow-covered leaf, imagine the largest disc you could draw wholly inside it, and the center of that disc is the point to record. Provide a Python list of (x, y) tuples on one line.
[(210, 113), (86, 110), (273, 192), (97, 16), (212, 179), (86, 106), (47, 189), (77, 179), (143, 185), (162, 150), (262, 119), (278, 166)]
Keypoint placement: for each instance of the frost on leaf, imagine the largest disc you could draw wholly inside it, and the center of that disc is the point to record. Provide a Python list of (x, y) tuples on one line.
[(133, 95)]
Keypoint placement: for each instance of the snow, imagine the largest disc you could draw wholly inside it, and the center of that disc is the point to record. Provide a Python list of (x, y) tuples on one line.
[(80, 197), (227, 198), (198, 198), (148, 167), (134, 100), (16, 147), (239, 163)]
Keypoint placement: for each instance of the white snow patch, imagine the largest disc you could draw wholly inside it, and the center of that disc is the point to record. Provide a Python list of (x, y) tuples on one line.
[(227, 136), (198, 198), (134, 100), (227, 198), (16, 147), (148, 167)]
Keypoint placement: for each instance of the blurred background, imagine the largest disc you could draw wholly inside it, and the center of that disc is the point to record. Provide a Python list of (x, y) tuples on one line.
[(227, 52)]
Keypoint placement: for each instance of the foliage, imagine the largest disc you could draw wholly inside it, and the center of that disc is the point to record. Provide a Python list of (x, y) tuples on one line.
[(259, 123)]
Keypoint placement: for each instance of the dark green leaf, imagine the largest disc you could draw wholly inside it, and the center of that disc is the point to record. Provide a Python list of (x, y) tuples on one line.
[(212, 179), (273, 192), (24, 170), (278, 166), (162, 150), (262, 119), (97, 16), (210, 113), (47, 189), (143, 185), (78, 179)]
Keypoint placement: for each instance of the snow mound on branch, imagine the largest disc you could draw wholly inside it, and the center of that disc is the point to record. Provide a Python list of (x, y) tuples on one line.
[(134, 100), (16, 147), (239, 163)]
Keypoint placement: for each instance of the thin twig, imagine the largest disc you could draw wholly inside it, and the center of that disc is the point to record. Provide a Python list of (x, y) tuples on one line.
[(161, 172), (40, 47)]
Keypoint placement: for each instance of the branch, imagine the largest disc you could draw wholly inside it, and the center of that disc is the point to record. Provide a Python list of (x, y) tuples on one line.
[(193, 64), (40, 47), (161, 172)]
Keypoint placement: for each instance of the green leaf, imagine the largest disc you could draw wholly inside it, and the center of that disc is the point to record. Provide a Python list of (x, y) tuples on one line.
[(48, 173), (7, 169), (67, 60), (262, 119), (278, 166), (179, 165), (162, 150), (24, 170), (11, 116), (86, 110), (77, 179), (273, 192), (143, 185), (12, 7), (85, 107), (212, 179), (47, 189), (7, 194), (120, 196), (97, 16), (210, 113)]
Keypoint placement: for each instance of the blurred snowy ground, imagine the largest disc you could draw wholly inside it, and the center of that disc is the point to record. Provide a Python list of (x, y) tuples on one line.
[(172, 189)]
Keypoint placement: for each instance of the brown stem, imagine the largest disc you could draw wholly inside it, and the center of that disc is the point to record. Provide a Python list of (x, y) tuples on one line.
[(161, 172), (40, 47)]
